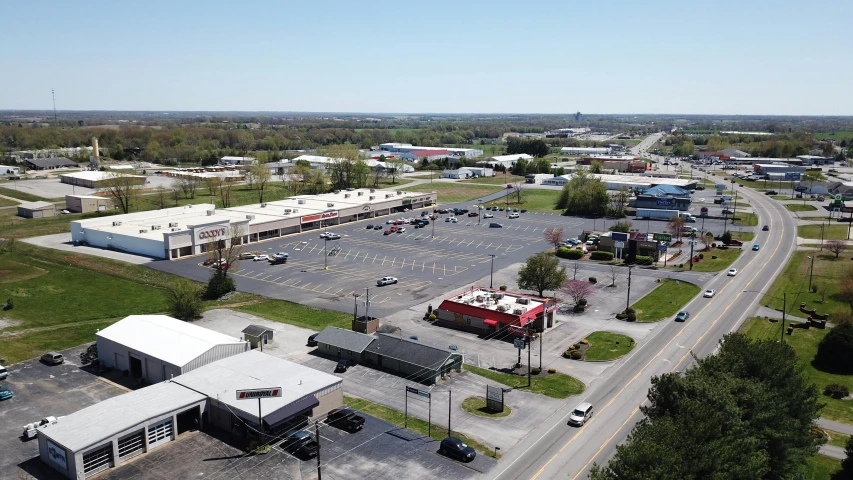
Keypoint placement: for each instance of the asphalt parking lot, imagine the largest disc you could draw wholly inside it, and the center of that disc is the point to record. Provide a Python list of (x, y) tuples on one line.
[(42, 391)]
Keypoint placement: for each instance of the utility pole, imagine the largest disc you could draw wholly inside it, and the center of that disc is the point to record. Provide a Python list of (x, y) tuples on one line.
[(492, 271), (692, 243), (53, 94), (317, 433), (811, 272), (367, 305), (784, 307), (449, 403), (628, 300), (529, 366)]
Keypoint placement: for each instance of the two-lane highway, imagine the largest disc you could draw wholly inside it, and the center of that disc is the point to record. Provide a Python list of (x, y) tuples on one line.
[(556, 450)]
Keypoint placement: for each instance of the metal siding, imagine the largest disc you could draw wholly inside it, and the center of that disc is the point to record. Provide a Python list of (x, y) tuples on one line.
[(215, 353), (106, 351)]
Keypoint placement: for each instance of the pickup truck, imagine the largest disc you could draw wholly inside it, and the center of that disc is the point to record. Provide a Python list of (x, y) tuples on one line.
[(345, 419), (300, 442), (386, 281)]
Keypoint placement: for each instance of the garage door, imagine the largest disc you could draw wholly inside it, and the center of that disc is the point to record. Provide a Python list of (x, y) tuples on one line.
[(97, 460), (131, 445), (159, 433)]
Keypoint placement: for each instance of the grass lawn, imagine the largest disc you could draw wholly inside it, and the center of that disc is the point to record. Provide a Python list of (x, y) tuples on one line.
[(836, 439), (805, 343), (722, 262), (794, 281), (820, 467), (830, 232), (799, 207), (425, 176), (5, 202), (833, 135), (607, 346), (531, 200), (555, 385), (743, 236), (781, 197), (27, 197), (746, 219), (300, 315), (665, 300), (454, 192), (477, 406), (499, 179), (417, 425)]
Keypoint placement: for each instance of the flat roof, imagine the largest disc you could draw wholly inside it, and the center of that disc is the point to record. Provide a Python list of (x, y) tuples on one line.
[(95, 175), (481, 297), (171, 340), (87, 196), (94, 424), (506, 158), (254, 369), (36, 205)]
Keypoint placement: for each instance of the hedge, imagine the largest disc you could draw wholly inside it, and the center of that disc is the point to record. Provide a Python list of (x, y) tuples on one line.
[(570, 253), (642, 260), (599, 255)]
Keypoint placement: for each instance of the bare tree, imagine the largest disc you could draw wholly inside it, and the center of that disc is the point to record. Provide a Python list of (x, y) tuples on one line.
[(122, 188), (212, 183), (676, 227), (189, 185), (619, 200), (578, 290), (377, 173), (260, 174), (835, 246), (519, 192), (615, 274), (225, 246), (394, 167), (708, 239), (554, 236), (176, 192), (575, 267), (226, 193), (160, 197)]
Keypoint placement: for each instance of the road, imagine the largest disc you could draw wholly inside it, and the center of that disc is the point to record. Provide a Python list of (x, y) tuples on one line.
[(556, 450), (647, 142)]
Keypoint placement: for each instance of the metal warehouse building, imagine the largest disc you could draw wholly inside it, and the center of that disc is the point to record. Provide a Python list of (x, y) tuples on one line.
[(181, 231), (111, 432), (156, 347), (97, 179)]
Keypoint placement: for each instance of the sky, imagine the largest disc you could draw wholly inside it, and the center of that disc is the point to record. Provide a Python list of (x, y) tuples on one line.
[(749, 57)]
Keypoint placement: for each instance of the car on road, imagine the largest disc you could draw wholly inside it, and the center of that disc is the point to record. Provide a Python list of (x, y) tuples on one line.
[(488, 215), (727, 212), (377, 227), (332, 236), (5, 393), (523, 210), (386, 281), (682, 316), (262, 257), (343, 365), (732, 272), (456, 448), (513, 215), (508, 185), (300, 442), (345, 419), (765, 228), (52, 358), (581, 414), (281, 254), (771, 192), (496, 225), (756, 247), (312, 339), (709, 293)]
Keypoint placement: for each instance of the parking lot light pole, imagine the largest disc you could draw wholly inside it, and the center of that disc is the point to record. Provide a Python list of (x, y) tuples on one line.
[(492, 271), (355, 305), (325, 254), (479, 210), (628, 299)]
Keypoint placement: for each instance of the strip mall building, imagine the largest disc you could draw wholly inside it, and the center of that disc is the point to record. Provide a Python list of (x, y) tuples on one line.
[(183, 231)]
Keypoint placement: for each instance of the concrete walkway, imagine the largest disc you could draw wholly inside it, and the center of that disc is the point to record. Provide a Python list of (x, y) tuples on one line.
[(773, 313), (832, 451), (839, 427)]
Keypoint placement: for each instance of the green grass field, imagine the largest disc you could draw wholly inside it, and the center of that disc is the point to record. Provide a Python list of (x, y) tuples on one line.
[(532, 200), (496, 180), (746, 219), (5, 202), (781, 197), (27, 197), (300, 315), (607, 346), (820, 467), (830, 232), (833, 135), (794, 281), (836, 439), (454, 192), (799, 207), (555, 385), (665, 300), (708, 264), (425, 176), (477, 406), (805, 344)]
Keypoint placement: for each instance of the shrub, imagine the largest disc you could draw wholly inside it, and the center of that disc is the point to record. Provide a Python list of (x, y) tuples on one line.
[(621, 316), (552, 370), (219, 285), (9, 304), (593, 280), (598, 255), (432, 317), (632, 317), (714, 245), (184, 298), (582, 302), (536, 371), (836, 391), (701, 256), (643, 260), (502, 287), (568, 353), (630, 310), (835, 351), (576, 355), (584, 342), (579, 308), (569, 253), (577, 346)]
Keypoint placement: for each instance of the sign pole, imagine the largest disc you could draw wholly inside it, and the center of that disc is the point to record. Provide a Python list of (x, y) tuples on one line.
[(429, 418), (449, 403), (260, 421), (406, 414), (317, 433)]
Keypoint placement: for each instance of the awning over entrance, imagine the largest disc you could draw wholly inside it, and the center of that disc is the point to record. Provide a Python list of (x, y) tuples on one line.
[(490, 322)]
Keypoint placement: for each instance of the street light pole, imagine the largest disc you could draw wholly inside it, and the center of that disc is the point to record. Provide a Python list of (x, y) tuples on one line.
[(492, 270), (325, 254), (628, 299), (355, 305)]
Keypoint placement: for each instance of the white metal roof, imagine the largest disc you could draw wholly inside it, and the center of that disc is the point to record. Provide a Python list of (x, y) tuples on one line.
[(96, 175), (507, 158), (168, 339), (254, 369), (94, 424), (36, 205)]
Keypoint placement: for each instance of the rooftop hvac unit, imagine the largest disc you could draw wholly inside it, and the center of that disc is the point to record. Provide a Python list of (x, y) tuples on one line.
[(523, 301), (250, 217), (263, 205), (501, 308), (143, 231), (116, 224), (372, 197), (497, 296), (295, 210), (210, 212), (346, 195), (330, 204), (360, 193), (301, 201), (155, 227), (173, 224), (372, 190), (480, 298), (287, 210), (175, 229), (517, 311)]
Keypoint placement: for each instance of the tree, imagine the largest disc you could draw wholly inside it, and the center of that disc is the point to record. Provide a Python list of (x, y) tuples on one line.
[(189, 185), (577, 289), (835, 246), (520, 167), (360, 173), (596, 167), (160, 197), (587, 195), (122, 188), (224, 250), (675, 226), (260, 175), (563, 199), (812, 177), (620, 199), (575, 267), (554, 236), (835, 350), (623, 226), (707, 239), (845, 290), (184, 299), (540, 165), (297, 178), (541, 272), (847, 463), (226, 192), (615, 274), (394, 167), (519, 192), (726, 238)]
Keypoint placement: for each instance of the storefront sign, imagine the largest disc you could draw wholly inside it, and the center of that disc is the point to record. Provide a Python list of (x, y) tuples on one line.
[(212, 233), (662, 237), (57, 455), (319, 216), (664, 202), (258, 393), (619, 236)]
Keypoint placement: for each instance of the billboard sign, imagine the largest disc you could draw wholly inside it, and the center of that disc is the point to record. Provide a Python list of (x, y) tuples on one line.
[(640, 237), (792, 175), (847, 209), (662, 237), (319, 216), (495, 398), (254, 393)]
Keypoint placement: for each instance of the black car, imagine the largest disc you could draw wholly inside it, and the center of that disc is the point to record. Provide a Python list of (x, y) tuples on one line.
[(369, 226), (278, 260), (455, 448), (300, 442), (345, 419), (343, 365), (377, 227), (312, 340)]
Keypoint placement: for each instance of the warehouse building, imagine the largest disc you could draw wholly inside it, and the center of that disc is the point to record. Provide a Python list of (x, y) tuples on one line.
[(771, 168), (585, 150), (98, 179), (36, 209), (507, 160), (634, 182), (87, 203), (468, 172), (191, 230), (238, 161), (414, 152), (53, 163), (154, 348), (412, 359), (485, 311), (110, 433)]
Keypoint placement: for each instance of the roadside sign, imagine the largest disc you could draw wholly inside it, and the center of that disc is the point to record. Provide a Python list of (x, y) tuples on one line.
[(619, 244), (662, 237), (519, 343), (847, 209), (619, 236), (495, 398), (255, 393), (662, 247), (423, 393)]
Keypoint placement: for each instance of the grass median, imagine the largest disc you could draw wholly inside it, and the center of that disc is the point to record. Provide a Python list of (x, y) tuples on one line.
[(554, 385), (724, 259), (799, 207), (436, 432), (607, 346), (478, 406), (665, 300), (830, 232)]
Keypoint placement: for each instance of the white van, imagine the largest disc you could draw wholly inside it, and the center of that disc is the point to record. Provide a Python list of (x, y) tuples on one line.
[(3, 372)]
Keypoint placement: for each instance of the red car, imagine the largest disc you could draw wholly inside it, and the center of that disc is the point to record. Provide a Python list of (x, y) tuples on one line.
[(508, 185), (390, 231), (399, 222), (472, 214)]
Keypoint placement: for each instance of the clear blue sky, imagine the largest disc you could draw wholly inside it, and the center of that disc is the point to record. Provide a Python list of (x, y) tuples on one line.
[(715, 57)]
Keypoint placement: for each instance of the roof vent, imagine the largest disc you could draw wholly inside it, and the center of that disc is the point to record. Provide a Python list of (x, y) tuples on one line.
[(360, 193), (175, 229), (155, 227), (287, 210), (301, 201), (330, 204), (295, 210), (346, 195), (173, 224), (210, 212), (372, 190), (116, 224), (264, 205), (250, 217), (372, 197), (143, 230), (523, 301)]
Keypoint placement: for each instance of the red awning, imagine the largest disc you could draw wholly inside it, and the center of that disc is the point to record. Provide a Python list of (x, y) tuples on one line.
[(488, 321)]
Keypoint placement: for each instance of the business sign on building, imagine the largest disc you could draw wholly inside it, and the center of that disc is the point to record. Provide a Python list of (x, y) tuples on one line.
[(211, 233), (319, 216), (664, 202), (638, 236), (57, 455), (254, 393), (792, 175), (662, 237), (619, 236)]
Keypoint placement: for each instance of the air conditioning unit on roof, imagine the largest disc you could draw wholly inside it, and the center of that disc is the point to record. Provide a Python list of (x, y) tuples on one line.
[(143, 230), (173, 224), (501, 308), (250, 217), (116, 224), (360, 193), (155, 227), (301, 201), (346, 195), (264, 205), (330, 204), (517, 311), (372, 197), (523, 301), (287, 210), (175, 229), (211, 212)]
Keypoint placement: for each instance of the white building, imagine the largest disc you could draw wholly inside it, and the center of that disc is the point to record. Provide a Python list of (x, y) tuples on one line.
[(615, 182), (238, 161), (418, 151), (96, 179), (468, 172), (155, 348), (9, 170), (507, 160), (585, 150)]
